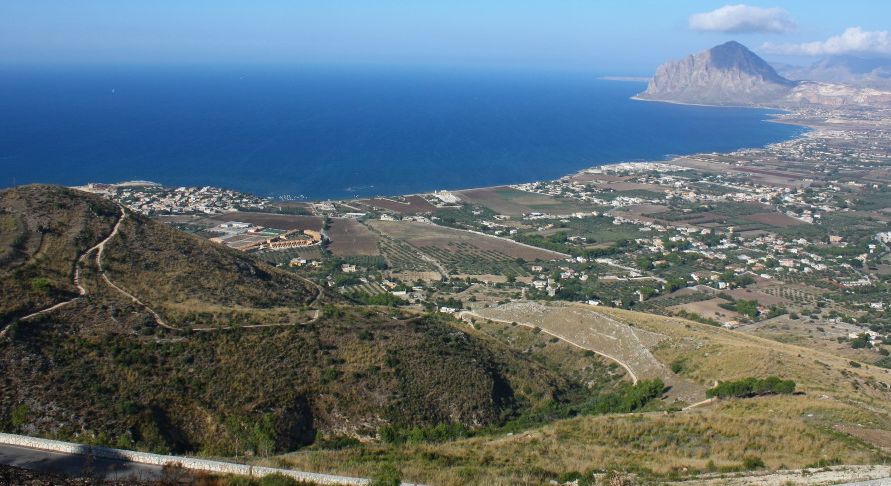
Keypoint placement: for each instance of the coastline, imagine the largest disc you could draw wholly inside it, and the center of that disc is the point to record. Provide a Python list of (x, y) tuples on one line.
[(666, 158), (773, 118)]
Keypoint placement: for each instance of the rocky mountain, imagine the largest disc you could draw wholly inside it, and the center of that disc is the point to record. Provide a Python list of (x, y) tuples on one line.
[(728, 74), (850, 70)]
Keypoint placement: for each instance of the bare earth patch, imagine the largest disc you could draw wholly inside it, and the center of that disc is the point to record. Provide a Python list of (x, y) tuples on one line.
[(582, 325), (350, 238)]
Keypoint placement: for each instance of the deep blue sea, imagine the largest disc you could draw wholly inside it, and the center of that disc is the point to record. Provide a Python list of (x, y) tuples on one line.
[(339, 132)]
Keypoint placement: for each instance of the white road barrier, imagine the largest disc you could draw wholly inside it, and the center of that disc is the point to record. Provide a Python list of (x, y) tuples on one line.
[(185, 462)]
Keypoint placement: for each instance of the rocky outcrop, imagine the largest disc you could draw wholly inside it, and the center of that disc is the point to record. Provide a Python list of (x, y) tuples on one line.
[(728, 74)]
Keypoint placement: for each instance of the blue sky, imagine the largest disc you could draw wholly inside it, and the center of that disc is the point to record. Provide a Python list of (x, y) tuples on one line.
[(612, 37)]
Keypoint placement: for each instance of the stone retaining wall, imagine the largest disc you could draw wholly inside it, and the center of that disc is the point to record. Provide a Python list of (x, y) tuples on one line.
[(162, 460)]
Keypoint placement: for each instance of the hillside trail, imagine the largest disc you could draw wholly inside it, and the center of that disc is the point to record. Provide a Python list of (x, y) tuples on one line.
[(81, 290), (623, 344), (624, 365), (99, 249)]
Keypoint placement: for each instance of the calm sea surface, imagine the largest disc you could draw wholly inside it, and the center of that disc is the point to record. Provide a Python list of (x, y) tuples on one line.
[(337, 132)]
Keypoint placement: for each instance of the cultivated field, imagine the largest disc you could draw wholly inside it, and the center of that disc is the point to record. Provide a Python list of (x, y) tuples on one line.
[(777, 220), (351, 238), (424, 236), (753, 293), (403, 205), (505, 200)]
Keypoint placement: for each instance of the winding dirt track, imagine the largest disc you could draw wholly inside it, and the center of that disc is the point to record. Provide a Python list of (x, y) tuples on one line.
[(99, 248), (624, 365), (82, 291)]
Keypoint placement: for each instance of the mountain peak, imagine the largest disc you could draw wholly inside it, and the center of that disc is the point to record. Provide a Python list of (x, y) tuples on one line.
[(727, 74)]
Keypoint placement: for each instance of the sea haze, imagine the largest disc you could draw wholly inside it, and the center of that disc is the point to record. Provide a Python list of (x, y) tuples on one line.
[(340, 132)]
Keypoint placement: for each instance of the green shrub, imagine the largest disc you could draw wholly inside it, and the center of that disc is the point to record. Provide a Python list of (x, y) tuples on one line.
[(862, 341), (20, 415), (387, 475), (750, 387), (753, 462), (40, 284), (677, 366)]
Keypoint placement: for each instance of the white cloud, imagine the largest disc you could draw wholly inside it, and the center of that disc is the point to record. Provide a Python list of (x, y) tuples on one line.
[(853, 40), (743, 19)]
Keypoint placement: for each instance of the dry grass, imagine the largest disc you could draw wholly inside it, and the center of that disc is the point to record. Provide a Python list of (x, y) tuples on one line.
[(661, 443), (842, 416)]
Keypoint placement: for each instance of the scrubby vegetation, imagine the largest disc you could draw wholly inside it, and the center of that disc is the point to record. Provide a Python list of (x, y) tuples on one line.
[(103, 371), (750, 387), (43, 230)]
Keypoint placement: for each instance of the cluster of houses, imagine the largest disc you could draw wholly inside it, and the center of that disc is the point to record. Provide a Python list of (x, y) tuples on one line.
[(248, 237), (153, 199)]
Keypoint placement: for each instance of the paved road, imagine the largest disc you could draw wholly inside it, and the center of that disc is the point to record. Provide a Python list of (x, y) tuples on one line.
[(75, 465)]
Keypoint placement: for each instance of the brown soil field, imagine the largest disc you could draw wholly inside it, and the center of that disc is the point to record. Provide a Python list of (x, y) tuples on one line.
[(350, 237), (646, 209), (270, 220), (778, 220), (410, 205), (422, 235)]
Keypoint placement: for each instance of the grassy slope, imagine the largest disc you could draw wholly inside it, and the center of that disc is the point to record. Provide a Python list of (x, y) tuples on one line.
[(784, 431), (43, 229), (191, 281)]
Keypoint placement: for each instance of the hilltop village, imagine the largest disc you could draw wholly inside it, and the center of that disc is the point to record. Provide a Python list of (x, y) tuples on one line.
[(792, 238)]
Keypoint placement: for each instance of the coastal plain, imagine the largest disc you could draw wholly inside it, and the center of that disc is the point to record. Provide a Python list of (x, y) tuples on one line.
[(677, 276)]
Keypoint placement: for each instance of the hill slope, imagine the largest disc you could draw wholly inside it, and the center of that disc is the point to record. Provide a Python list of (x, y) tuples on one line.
[(43, 231), (728, 74), (182, 345), (839, 415)]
